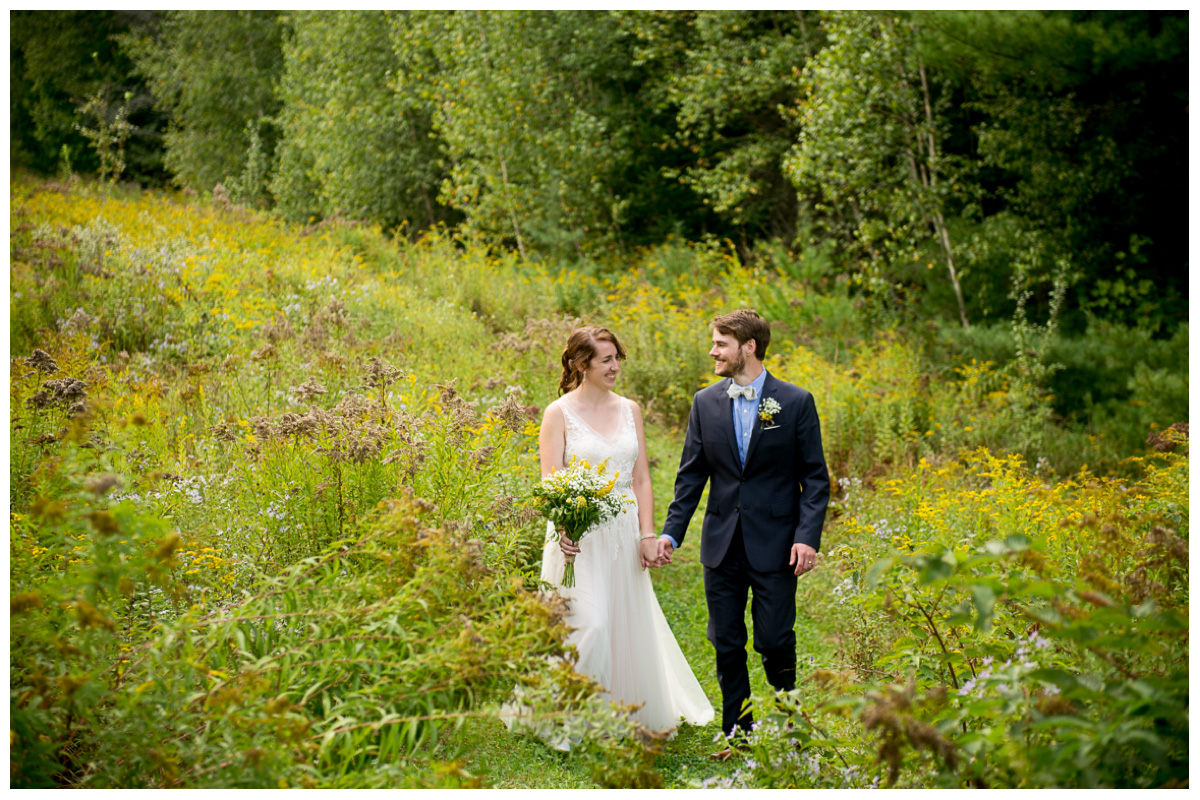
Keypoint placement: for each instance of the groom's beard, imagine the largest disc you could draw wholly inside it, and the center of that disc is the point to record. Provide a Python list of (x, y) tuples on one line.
[(731, 366)]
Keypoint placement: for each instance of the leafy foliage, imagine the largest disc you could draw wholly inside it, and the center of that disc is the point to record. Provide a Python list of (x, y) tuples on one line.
[(920, 151), (529, 108), (730, 75), (250, 463), (998, 631), (215, 72), (871, 148), (352, 141), (57, 61)]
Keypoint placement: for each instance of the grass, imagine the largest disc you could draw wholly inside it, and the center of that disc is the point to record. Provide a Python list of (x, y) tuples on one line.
[(507, 761), (218, 503)]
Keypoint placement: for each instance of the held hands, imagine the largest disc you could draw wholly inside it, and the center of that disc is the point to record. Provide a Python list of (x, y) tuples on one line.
[(665, 550), (803, 559), (648, 551), (652, 552)]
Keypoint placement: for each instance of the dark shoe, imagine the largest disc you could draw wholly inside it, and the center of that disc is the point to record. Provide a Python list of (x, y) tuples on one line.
[(722, 755), (736, 746)]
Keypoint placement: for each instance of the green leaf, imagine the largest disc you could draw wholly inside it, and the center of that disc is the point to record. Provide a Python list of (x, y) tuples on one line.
[(985, 604), (938, 568), (1018, 542), (995, 547), (876, 571)]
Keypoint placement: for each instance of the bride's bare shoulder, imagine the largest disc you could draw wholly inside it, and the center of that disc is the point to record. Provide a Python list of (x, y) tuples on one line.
[(554, 410)]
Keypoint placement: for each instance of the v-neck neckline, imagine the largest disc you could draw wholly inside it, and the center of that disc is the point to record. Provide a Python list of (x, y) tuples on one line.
[(606, 437)]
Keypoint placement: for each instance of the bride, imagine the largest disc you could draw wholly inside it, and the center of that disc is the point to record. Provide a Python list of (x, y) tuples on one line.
[(622, 638)]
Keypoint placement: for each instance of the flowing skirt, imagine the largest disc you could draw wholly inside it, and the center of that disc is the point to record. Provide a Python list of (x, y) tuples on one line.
[(623, 639)]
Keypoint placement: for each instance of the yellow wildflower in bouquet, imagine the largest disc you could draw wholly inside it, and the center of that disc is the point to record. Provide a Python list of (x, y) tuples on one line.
[(577, 499)]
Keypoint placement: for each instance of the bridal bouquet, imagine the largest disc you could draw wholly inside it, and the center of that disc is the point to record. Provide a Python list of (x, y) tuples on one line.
[(576, 499)]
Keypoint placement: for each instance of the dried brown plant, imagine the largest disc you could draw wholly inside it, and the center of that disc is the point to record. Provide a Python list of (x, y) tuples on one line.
[(1167, 440), (199, 368), (100, 485), (220, 198), (306, 391), (79, 321), (316, 334), (547, 335), (42, 362), (224, 432), (265, 353), (1165, 554), (278, 331), (380, 376), (890, 716), (263, 427), (512, 414), (69, 393), (296, 425), (334, 313)]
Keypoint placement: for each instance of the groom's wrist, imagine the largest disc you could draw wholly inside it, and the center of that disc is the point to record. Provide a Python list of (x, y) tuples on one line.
[(670, 539)]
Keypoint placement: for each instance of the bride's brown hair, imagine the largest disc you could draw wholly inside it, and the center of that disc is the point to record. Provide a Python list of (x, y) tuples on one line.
[(580, 350)]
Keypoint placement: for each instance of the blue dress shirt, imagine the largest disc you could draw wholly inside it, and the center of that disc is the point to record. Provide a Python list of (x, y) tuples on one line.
[(744, 412)]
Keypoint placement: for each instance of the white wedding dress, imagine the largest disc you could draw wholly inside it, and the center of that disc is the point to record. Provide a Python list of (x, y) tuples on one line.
[(621, 635)]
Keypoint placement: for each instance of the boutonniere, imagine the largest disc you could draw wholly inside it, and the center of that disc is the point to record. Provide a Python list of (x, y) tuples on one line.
[(767, 410)]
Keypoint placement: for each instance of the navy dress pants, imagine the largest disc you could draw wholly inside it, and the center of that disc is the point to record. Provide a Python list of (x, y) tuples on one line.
[(773, 612)]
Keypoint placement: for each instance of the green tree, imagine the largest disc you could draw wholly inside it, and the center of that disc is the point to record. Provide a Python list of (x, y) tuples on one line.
[(533, 122), (57, 61), (731, 79), (1075, 120), (870, 158), (350, 142), (214, 72)]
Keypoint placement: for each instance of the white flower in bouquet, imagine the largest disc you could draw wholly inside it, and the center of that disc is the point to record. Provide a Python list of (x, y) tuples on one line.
[(577, 499)]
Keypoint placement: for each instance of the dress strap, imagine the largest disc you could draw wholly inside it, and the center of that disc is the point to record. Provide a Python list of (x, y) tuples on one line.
[(572, 419)]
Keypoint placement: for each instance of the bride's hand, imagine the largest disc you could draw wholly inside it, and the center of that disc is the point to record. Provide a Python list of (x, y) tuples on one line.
[(570, 549), (648, 550)]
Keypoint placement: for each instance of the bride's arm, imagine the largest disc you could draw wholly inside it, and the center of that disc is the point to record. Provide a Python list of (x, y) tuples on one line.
[(644, 492), (552, 448), (552, 439)]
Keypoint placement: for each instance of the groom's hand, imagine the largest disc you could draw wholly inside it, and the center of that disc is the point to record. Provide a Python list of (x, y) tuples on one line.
[(665, 549), (803, 558)]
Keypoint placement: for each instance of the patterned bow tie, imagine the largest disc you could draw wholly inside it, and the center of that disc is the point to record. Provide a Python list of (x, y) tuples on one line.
[(741, 391)]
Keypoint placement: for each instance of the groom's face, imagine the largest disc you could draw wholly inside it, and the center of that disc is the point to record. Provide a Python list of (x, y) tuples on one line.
[(728, 355)]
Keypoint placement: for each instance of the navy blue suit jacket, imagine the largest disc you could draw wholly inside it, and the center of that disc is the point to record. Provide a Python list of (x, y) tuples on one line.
[(781, 494)]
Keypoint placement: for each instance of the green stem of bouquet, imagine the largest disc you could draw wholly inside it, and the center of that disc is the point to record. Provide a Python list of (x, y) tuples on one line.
[(568, 579)]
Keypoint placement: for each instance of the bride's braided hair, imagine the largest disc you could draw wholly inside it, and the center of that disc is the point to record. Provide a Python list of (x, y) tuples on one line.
[(580, 350)]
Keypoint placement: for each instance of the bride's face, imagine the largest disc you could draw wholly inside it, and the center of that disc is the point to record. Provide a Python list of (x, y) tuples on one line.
[(603, 368)]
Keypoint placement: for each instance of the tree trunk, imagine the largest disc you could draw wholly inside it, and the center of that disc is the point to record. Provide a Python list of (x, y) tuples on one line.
[(412, 132), (512, 213), (939, 222)]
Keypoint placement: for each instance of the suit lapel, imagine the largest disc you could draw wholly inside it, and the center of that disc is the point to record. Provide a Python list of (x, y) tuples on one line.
[(725, 409), (769, 388)]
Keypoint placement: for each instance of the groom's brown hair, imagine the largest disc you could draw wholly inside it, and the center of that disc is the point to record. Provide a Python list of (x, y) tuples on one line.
[(745, 324)]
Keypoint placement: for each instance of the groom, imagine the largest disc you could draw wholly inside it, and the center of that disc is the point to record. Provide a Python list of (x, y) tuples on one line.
[(757, 441)]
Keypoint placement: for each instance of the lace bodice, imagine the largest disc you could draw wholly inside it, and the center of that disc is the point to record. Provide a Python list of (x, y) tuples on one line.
[(621, 450)]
